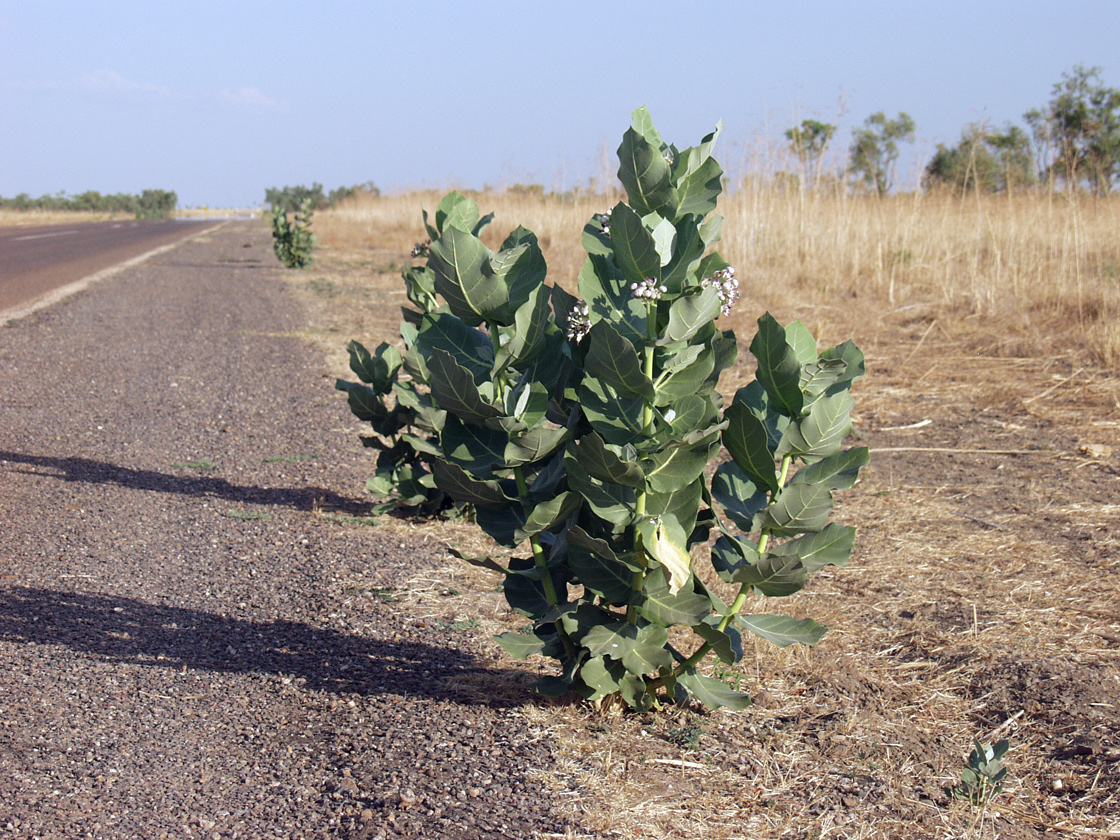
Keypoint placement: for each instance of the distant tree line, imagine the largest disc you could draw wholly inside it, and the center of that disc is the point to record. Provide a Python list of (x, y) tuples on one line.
[(1073, 142), (150, 204), (290, 198)]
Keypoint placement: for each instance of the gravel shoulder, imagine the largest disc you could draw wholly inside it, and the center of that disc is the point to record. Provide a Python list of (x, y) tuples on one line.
[(189, 641)]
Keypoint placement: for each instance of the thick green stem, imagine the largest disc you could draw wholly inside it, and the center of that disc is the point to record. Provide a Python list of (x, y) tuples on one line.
[(638, 581), (538, 550), (496, 343), (744, 590)]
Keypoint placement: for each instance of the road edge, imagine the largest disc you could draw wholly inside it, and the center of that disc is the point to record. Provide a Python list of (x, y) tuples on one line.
[(52, 297)]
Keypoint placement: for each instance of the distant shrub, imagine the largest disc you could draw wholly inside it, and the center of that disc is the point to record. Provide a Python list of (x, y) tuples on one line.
[(293, 240)]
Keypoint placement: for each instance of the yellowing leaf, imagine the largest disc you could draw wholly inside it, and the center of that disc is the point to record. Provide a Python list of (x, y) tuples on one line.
[(673, 557)]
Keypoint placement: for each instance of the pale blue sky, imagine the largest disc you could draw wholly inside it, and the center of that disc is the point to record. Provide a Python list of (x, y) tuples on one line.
[(219, 99)]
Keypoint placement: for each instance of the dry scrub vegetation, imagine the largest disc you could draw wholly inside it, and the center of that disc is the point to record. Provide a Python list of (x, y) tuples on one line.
[(983, 598)]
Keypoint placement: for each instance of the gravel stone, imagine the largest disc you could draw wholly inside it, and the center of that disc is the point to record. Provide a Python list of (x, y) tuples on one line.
[(177, 655)]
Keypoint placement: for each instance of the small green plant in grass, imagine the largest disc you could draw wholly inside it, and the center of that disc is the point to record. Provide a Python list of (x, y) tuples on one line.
[(586, 432), (983, 778), (293, 240), (686, 737)]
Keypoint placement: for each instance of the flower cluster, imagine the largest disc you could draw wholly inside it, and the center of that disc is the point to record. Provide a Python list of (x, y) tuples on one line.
[(726, 285), (579, 321), (648, 289), (420, 249), (605, 222)]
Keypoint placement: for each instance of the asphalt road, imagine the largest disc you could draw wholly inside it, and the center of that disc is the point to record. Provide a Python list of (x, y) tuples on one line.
[(38, 261)]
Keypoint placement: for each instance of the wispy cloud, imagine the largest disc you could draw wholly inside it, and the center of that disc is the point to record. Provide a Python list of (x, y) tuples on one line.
[(101, 82), (112, 82), (250, 98)]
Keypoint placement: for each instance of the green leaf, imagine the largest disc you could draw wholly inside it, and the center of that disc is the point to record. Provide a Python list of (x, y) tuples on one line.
[(683, 504), (613, 503), (608, 295), (643, 170), (462, 487), (658, 605), (800, 508), (547, 515), (831, 546), (822, 431), (476, 449), (801, 340), (783, 630), (664, 238), (710, 235), (740, 498), (755, 398), (500, 523), (520, 645), (838, 471), (525, 273), (711, 692), (364, 403), (469, 347), (779, 371), (456, 210), (602, 677), (610, 579), (527, 336), (379, 369), (688, 251), (464, 277), (641, 650), (533, 445), (748, 442), (617, 418), (853, 360), (688, 314), (612, 359), (726, 644), (454, 389), (635, 248), (671, 468), (699, 178), (730, 555), (819, 377), (604, 464), (773, 574), (482, 562)]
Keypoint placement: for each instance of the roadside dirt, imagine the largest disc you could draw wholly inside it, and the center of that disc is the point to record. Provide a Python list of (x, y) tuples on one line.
[(188, 644)]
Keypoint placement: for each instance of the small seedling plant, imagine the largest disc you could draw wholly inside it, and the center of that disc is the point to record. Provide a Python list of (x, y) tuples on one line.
[(587, 433), (293, 241), (983, 778)]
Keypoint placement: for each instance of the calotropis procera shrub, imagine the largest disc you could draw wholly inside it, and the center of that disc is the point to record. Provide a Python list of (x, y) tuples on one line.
[(580, 429), (293, 241)]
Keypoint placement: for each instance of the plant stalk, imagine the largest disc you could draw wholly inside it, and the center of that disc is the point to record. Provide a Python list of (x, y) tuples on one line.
[(744, 590)]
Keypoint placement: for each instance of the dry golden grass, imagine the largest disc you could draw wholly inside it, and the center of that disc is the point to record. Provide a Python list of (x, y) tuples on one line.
[(983, 599), (1041, 271), (31, 218)]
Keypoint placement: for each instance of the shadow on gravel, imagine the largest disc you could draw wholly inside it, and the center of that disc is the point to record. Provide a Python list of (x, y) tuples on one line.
[(88, 471), (128, 631)]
